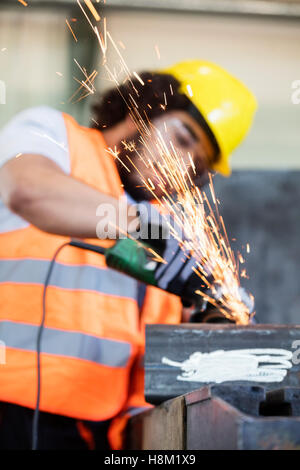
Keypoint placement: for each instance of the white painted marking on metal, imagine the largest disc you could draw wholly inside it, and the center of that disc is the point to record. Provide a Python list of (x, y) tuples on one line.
[(258, 365)]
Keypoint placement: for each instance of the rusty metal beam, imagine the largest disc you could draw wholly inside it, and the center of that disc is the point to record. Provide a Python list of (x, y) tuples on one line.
[(221, 417), (216, 419)]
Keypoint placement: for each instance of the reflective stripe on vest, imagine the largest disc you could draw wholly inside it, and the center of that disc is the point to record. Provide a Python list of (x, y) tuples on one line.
[(89, 278), (66, 343)]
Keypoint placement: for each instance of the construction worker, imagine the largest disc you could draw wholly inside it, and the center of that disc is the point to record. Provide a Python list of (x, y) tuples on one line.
[(54, 175)]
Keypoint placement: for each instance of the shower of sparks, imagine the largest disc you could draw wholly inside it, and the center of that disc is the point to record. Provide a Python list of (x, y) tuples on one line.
[(73, 34), (205, 236)]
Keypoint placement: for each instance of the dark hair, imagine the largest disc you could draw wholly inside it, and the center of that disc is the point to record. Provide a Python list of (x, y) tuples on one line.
[(151, 99)]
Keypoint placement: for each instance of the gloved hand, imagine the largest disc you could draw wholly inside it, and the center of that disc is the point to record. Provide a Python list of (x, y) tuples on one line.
[(176, 275), (206, 312)]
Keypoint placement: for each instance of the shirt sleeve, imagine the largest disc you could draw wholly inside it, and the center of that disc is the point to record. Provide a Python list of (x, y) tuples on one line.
[(40, 131)]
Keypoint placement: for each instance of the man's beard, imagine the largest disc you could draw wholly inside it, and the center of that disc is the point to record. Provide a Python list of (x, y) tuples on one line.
[(132, 181), (138, 193)]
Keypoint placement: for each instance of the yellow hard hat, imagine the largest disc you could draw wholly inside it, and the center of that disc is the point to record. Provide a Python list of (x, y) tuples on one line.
[(225, 103)]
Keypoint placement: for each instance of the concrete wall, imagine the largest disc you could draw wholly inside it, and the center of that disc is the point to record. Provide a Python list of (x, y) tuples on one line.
[(262, 208), (37, 53), (33, 47)]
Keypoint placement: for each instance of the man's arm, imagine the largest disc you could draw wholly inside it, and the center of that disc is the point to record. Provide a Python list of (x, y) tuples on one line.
[(36, 189)]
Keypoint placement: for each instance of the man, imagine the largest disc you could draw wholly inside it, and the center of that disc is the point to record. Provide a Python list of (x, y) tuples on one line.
[(54, 175)]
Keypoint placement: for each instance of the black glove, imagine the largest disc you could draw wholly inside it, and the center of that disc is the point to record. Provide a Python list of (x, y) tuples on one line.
[(177, 274)]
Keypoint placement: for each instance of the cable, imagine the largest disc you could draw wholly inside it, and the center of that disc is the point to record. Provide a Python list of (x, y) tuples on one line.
[(78, 244), (88, 246), (35, 424)]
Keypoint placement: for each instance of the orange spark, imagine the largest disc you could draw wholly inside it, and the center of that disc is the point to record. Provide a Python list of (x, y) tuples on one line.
[(92, 9), (138, 78), (83, 11), (69, 26), (165, 98), (23, 3), (157, 51), (87, 83), (151, 185), (241, 259), (244, 274), (190, 91), (95, 122), (192, 163)]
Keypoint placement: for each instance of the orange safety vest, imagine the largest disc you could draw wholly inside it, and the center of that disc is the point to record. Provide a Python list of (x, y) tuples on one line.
[(94, 329)]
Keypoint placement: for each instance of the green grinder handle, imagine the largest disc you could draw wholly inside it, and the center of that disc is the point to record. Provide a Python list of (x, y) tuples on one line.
[(132, 258)]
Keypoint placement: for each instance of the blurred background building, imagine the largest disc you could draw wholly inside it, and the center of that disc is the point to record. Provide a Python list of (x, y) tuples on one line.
[(259, 41), (262, 49)]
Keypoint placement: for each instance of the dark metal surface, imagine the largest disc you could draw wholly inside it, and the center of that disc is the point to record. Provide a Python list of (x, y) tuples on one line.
[(178, 342), (216, 418), (287, 398)]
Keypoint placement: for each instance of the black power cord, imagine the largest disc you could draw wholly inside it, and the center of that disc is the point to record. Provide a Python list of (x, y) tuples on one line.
[(78, 244)]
